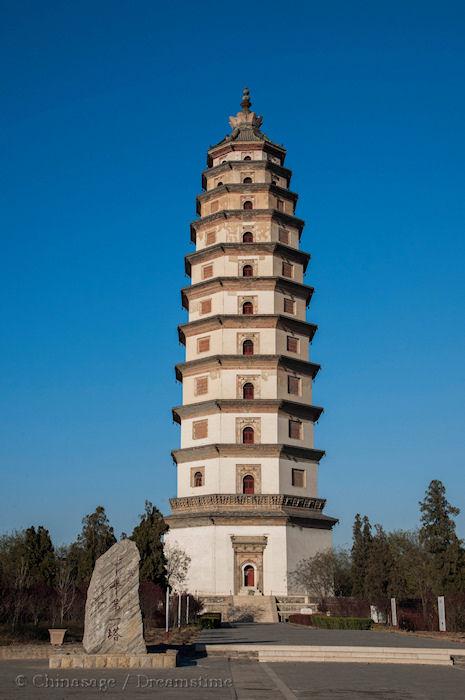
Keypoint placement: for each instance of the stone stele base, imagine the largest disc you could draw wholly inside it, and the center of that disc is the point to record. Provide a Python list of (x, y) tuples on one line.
[(161, 660)]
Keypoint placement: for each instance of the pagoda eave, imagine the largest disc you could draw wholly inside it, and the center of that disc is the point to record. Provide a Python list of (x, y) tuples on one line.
[(203, 325), (286, 219), (246, 362), (281, 450), (246, 188), (318, 521), (271, 283), (258, 247), (261, 144), (251, 164), (203, 408)]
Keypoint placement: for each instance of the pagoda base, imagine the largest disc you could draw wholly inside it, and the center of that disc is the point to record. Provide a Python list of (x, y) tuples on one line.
[(228, 558)]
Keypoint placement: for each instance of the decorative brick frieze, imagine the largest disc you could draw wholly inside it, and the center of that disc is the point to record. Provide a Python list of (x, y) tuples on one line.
[(256, 501)]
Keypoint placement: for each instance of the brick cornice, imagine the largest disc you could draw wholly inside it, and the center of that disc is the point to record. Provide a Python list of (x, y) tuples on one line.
[(312, 520), (246, 188), (210, 323), (247, 165), (244, 249), (205, 408), (247, 285), (227, 146), (204, 364), (273, 214), (283, 451)]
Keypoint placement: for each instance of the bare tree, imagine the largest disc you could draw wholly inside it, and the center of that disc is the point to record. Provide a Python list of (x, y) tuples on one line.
[(65, 585), (316, 575), (21, 583), (177, 566)]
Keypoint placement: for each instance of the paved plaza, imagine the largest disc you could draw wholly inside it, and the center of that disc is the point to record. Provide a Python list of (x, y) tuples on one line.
[(253, 633), (217, 678)]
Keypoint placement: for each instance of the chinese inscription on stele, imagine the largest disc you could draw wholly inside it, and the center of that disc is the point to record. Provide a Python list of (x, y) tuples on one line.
[(113, 622)]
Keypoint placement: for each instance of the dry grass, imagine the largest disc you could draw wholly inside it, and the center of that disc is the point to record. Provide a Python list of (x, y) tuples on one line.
[(443, 636)]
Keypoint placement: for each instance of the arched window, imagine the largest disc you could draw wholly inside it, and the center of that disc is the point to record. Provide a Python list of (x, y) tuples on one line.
[(224, 161), (249, 576), (248, 436), (247, 271), (248, 484), (247, 181), (248, 391), (247, 308), (247, 347), (198, 479), (247, 205), (247, 237), (247, 158), (219, 184)]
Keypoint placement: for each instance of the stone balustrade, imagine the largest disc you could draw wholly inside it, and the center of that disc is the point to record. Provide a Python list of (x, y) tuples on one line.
[(266, 502)]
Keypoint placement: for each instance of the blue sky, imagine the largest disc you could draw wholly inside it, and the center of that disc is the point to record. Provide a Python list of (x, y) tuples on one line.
[(107, 109)]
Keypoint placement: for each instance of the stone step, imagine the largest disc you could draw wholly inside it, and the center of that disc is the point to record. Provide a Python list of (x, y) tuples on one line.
[(261, 608), (349, 654)]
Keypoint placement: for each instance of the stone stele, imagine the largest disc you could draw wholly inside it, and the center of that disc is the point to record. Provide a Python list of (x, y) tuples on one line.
[(113, 622)]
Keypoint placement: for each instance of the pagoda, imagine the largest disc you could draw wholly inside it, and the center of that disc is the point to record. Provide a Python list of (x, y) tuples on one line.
[(247, 508)]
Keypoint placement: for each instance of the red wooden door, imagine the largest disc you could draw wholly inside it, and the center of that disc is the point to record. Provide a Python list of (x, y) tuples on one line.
[(249, 576), (248, 484)]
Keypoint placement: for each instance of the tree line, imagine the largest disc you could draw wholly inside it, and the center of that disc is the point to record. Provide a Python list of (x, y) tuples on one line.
[(40, 582), (411, 565)]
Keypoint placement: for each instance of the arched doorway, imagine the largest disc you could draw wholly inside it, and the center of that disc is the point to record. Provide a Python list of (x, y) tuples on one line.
[(249, 576)]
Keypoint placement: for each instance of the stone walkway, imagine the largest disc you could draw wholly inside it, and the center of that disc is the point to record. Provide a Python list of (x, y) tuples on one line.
[(220, 680), (253, 633)]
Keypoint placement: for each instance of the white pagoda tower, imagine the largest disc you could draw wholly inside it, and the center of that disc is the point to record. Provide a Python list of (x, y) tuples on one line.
[(247, 507)]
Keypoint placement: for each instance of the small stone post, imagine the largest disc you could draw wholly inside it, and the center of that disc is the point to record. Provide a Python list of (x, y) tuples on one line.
[(393, 612), (442, 613)]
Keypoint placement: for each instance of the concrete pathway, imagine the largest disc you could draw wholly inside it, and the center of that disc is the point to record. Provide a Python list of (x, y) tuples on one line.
[(220, 680), (283, 633)]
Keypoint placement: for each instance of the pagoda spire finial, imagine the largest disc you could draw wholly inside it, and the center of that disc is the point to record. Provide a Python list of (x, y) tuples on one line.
[(246, 103), (245, 118)]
